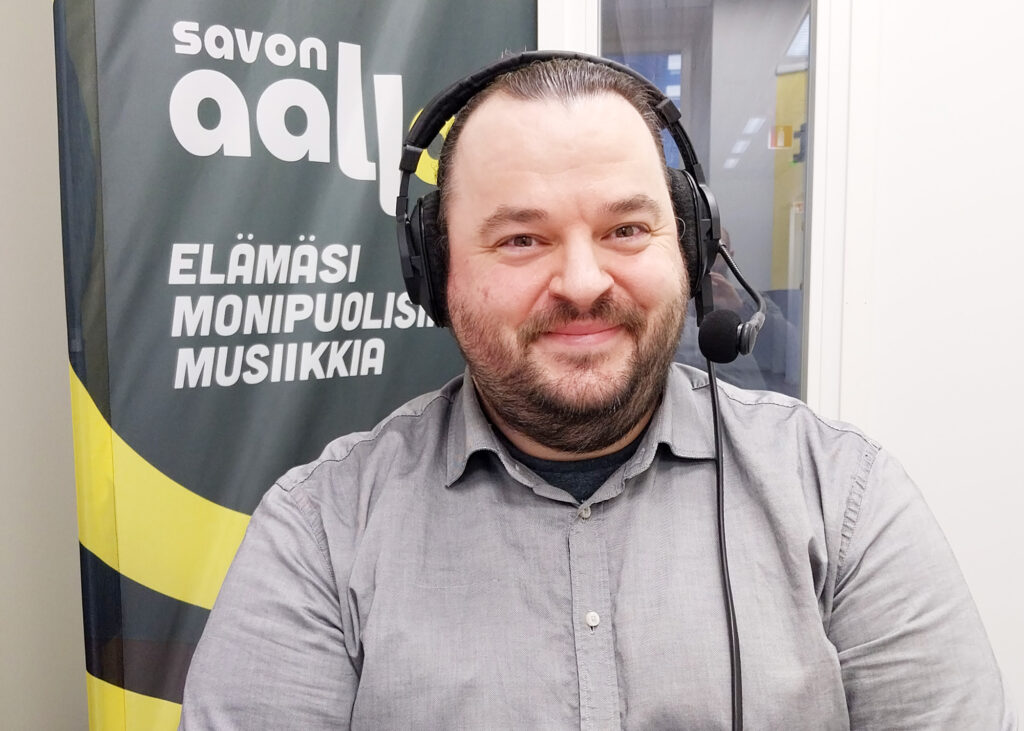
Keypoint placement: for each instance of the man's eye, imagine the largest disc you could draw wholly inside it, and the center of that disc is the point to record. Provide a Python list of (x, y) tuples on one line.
[(628, 231), (520, 242)]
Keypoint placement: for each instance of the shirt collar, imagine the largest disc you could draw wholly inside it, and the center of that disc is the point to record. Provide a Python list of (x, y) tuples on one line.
[(682, 422), (469, 431), (683, 419)]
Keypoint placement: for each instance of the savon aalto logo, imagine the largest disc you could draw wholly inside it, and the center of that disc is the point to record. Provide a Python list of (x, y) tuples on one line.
[(231, 135)]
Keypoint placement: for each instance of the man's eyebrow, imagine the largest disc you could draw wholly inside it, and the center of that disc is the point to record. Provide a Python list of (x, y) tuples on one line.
[(509, 214), (641, 202)]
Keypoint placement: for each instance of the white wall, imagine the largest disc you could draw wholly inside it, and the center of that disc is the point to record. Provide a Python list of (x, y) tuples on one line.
[(42, 661), (916, 254)]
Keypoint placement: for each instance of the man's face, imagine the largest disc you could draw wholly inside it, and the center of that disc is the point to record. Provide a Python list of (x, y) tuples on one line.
[(567, 288)]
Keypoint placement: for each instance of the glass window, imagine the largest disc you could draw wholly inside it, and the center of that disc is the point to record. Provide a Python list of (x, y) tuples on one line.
[(738, 71)]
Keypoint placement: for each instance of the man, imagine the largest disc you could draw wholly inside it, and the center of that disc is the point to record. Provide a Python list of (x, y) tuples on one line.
[(535, 545)]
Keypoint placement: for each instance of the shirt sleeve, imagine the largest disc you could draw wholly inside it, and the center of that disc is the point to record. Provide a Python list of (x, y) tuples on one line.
[(273, 654), (912, 649)]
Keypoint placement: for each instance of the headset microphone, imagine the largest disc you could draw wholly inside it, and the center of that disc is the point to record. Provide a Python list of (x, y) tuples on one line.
[(718, 336), (722, 334)]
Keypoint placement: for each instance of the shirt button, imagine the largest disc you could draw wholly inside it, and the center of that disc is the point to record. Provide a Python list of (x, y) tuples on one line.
[(584, 512), (592, 619)]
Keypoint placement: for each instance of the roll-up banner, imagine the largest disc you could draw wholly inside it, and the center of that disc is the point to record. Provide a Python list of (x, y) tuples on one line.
[(229, 170)]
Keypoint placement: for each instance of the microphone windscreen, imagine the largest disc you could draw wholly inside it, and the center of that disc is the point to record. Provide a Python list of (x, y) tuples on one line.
[(718, 336)]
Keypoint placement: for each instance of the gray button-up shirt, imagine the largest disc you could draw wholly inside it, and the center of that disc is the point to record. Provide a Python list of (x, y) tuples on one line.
[(417, 577)]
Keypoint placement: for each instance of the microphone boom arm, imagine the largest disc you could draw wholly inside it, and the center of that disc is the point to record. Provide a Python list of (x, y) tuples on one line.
[(747, 331)]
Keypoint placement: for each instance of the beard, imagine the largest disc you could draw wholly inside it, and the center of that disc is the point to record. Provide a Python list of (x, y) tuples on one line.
[(581, 409)]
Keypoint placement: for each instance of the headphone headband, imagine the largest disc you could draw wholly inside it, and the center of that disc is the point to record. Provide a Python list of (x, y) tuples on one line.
[(448, 102), (424, 267)]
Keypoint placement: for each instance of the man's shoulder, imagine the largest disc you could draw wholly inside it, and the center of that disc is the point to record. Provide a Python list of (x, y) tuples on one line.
[(415, 431), (770, 414)]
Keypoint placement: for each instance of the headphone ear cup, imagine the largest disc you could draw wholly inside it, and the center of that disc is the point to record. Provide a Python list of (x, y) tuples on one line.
[(434, 250), (684, 205)]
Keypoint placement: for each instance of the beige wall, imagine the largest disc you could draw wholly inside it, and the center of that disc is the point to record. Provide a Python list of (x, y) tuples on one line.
[(42, 662)]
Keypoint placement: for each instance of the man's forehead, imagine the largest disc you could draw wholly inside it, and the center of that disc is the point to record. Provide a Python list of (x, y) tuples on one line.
[(507, 128), (525, 160), (498, 105)]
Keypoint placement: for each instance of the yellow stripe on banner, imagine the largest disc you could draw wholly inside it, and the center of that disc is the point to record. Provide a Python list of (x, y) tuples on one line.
[(94, 476), (141, 522), (115, 709)]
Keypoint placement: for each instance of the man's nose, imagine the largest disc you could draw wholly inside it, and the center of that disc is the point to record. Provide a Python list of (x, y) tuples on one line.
[(581, 277)]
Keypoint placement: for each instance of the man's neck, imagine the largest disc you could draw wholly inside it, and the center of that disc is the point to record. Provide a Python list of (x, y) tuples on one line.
[(542, 451)]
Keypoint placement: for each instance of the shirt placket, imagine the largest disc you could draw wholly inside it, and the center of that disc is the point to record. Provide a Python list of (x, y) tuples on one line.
[(591, 621)]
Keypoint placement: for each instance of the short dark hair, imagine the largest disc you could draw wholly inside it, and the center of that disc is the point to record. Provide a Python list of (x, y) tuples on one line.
[(562, 79)]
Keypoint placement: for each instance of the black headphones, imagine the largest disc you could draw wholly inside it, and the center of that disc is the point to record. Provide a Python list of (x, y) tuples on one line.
[(425, 271)]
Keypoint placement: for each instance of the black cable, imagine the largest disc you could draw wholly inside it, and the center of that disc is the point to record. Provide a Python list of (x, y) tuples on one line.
[(730, 610)]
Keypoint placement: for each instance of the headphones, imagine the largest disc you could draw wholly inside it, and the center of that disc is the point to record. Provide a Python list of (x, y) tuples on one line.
[(425, 269)]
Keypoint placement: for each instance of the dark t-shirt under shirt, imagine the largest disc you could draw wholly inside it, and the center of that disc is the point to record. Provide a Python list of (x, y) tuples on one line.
[(580, 478)]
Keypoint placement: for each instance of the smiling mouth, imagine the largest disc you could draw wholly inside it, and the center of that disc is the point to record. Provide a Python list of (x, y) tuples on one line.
[(582, 334), (566, 326), (583, 327)]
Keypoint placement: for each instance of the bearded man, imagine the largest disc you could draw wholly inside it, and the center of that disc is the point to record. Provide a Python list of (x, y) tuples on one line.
[(535, 545)]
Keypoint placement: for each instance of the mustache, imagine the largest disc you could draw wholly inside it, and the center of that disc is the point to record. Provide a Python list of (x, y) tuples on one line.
[(605, 308)]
